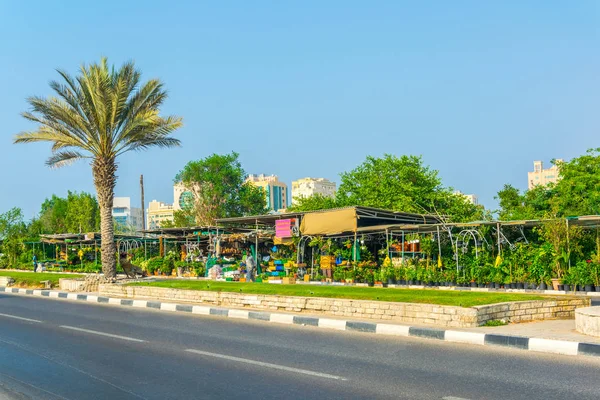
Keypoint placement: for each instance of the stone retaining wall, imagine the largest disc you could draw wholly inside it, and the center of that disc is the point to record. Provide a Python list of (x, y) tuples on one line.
[(447, 316), (71, 285), (587, 321)]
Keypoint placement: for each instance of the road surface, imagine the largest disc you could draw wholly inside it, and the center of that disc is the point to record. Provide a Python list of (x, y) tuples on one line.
[(51, 349)]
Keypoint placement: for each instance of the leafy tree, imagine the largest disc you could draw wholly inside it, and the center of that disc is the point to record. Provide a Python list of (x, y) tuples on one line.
[(79, 212), (403, 184), (578, 190), (219, 191), (391, 183), (313, 203), (533, 204), (83, 213), (98, 116), (53, 215), (12, 232)]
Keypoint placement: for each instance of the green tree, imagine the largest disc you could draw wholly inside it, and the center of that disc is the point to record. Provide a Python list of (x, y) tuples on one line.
[(13, 231), (392, 183), (533, 204), (79, 212), (403, 184), (83, 213), (53, 215), (218, 191), (313, 203), (98, 116), (578, 190)]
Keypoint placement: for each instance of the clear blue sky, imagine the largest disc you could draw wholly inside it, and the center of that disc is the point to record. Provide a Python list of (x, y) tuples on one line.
[(310, 88)]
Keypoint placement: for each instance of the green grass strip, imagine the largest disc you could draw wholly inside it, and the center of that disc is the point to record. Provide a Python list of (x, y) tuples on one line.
[(441, 297), (32, 279)]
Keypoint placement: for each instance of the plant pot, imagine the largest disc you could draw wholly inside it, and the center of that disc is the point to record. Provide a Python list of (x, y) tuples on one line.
[(589, 288), (555, 283), (543, 286), (597, 288), (371, 284), (561, 287), (473, 284), (520, 285)]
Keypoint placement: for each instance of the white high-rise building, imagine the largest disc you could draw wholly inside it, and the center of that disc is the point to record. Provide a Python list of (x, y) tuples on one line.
[(541, 176), (125, 216), (471, 198), (307, 187)]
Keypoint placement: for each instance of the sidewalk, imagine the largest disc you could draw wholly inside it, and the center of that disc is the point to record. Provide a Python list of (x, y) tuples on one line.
[(552, 336)]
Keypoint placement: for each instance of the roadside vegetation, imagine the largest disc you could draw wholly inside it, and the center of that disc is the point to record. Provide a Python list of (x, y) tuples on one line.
[(33, 280), (447, 298)]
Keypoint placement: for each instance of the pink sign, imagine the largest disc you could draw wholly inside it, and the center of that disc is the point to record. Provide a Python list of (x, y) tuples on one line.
[(283, 228)]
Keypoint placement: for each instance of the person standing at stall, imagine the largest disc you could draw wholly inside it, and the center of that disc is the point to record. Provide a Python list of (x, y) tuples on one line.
[(250, 266)]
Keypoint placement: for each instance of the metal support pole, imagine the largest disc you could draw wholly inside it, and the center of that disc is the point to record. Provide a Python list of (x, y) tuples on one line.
[(499, 233), (402, 247), (439, 242), (387, 244), (354, 252), (568, 244)]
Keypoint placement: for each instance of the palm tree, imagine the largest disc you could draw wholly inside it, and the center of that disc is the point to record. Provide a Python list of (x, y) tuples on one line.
[(99, 115)]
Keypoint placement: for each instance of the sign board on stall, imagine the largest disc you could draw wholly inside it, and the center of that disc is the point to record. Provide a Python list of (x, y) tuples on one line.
[(284, 227)]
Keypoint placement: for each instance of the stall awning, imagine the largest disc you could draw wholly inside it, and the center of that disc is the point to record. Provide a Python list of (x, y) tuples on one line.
[(329, 222)]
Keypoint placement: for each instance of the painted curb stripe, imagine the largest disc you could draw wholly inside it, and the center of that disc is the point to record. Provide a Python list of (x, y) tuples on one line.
[(282, 318), (126, 302), (219, 311), (507, 341), (429, 333), (306, 321), (82, 297), (153, 304), (202, 310), (553, 346), (327, 323), (361, 326), (183, 308), (465, 337), (139, 303), (589, 349), (241, 314), (168, 306), (262, 316), (389, 329)]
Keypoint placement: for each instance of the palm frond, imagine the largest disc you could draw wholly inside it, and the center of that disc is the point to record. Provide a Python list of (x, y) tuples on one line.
[(62, 158)]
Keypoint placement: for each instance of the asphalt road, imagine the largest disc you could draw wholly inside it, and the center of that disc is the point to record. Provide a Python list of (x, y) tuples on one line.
[(69, 350)]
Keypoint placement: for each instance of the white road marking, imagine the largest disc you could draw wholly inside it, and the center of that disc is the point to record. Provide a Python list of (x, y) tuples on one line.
[(453, 398), (102, 333), (21, 318), (267, 365)]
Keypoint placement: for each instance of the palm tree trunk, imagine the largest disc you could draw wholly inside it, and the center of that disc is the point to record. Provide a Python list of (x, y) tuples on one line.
[(104, 171)]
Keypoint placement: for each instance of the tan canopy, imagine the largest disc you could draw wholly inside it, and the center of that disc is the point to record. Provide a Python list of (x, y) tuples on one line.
[(329, 222)]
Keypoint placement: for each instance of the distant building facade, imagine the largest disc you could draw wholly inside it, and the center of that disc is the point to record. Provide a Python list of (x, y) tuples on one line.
[(471, 198), (307, 187), (541, 176), (158, 213), (276, 192), (182, 196), (125, 216)]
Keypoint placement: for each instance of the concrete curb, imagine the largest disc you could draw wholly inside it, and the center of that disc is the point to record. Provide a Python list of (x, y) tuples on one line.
[(476, 338)]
